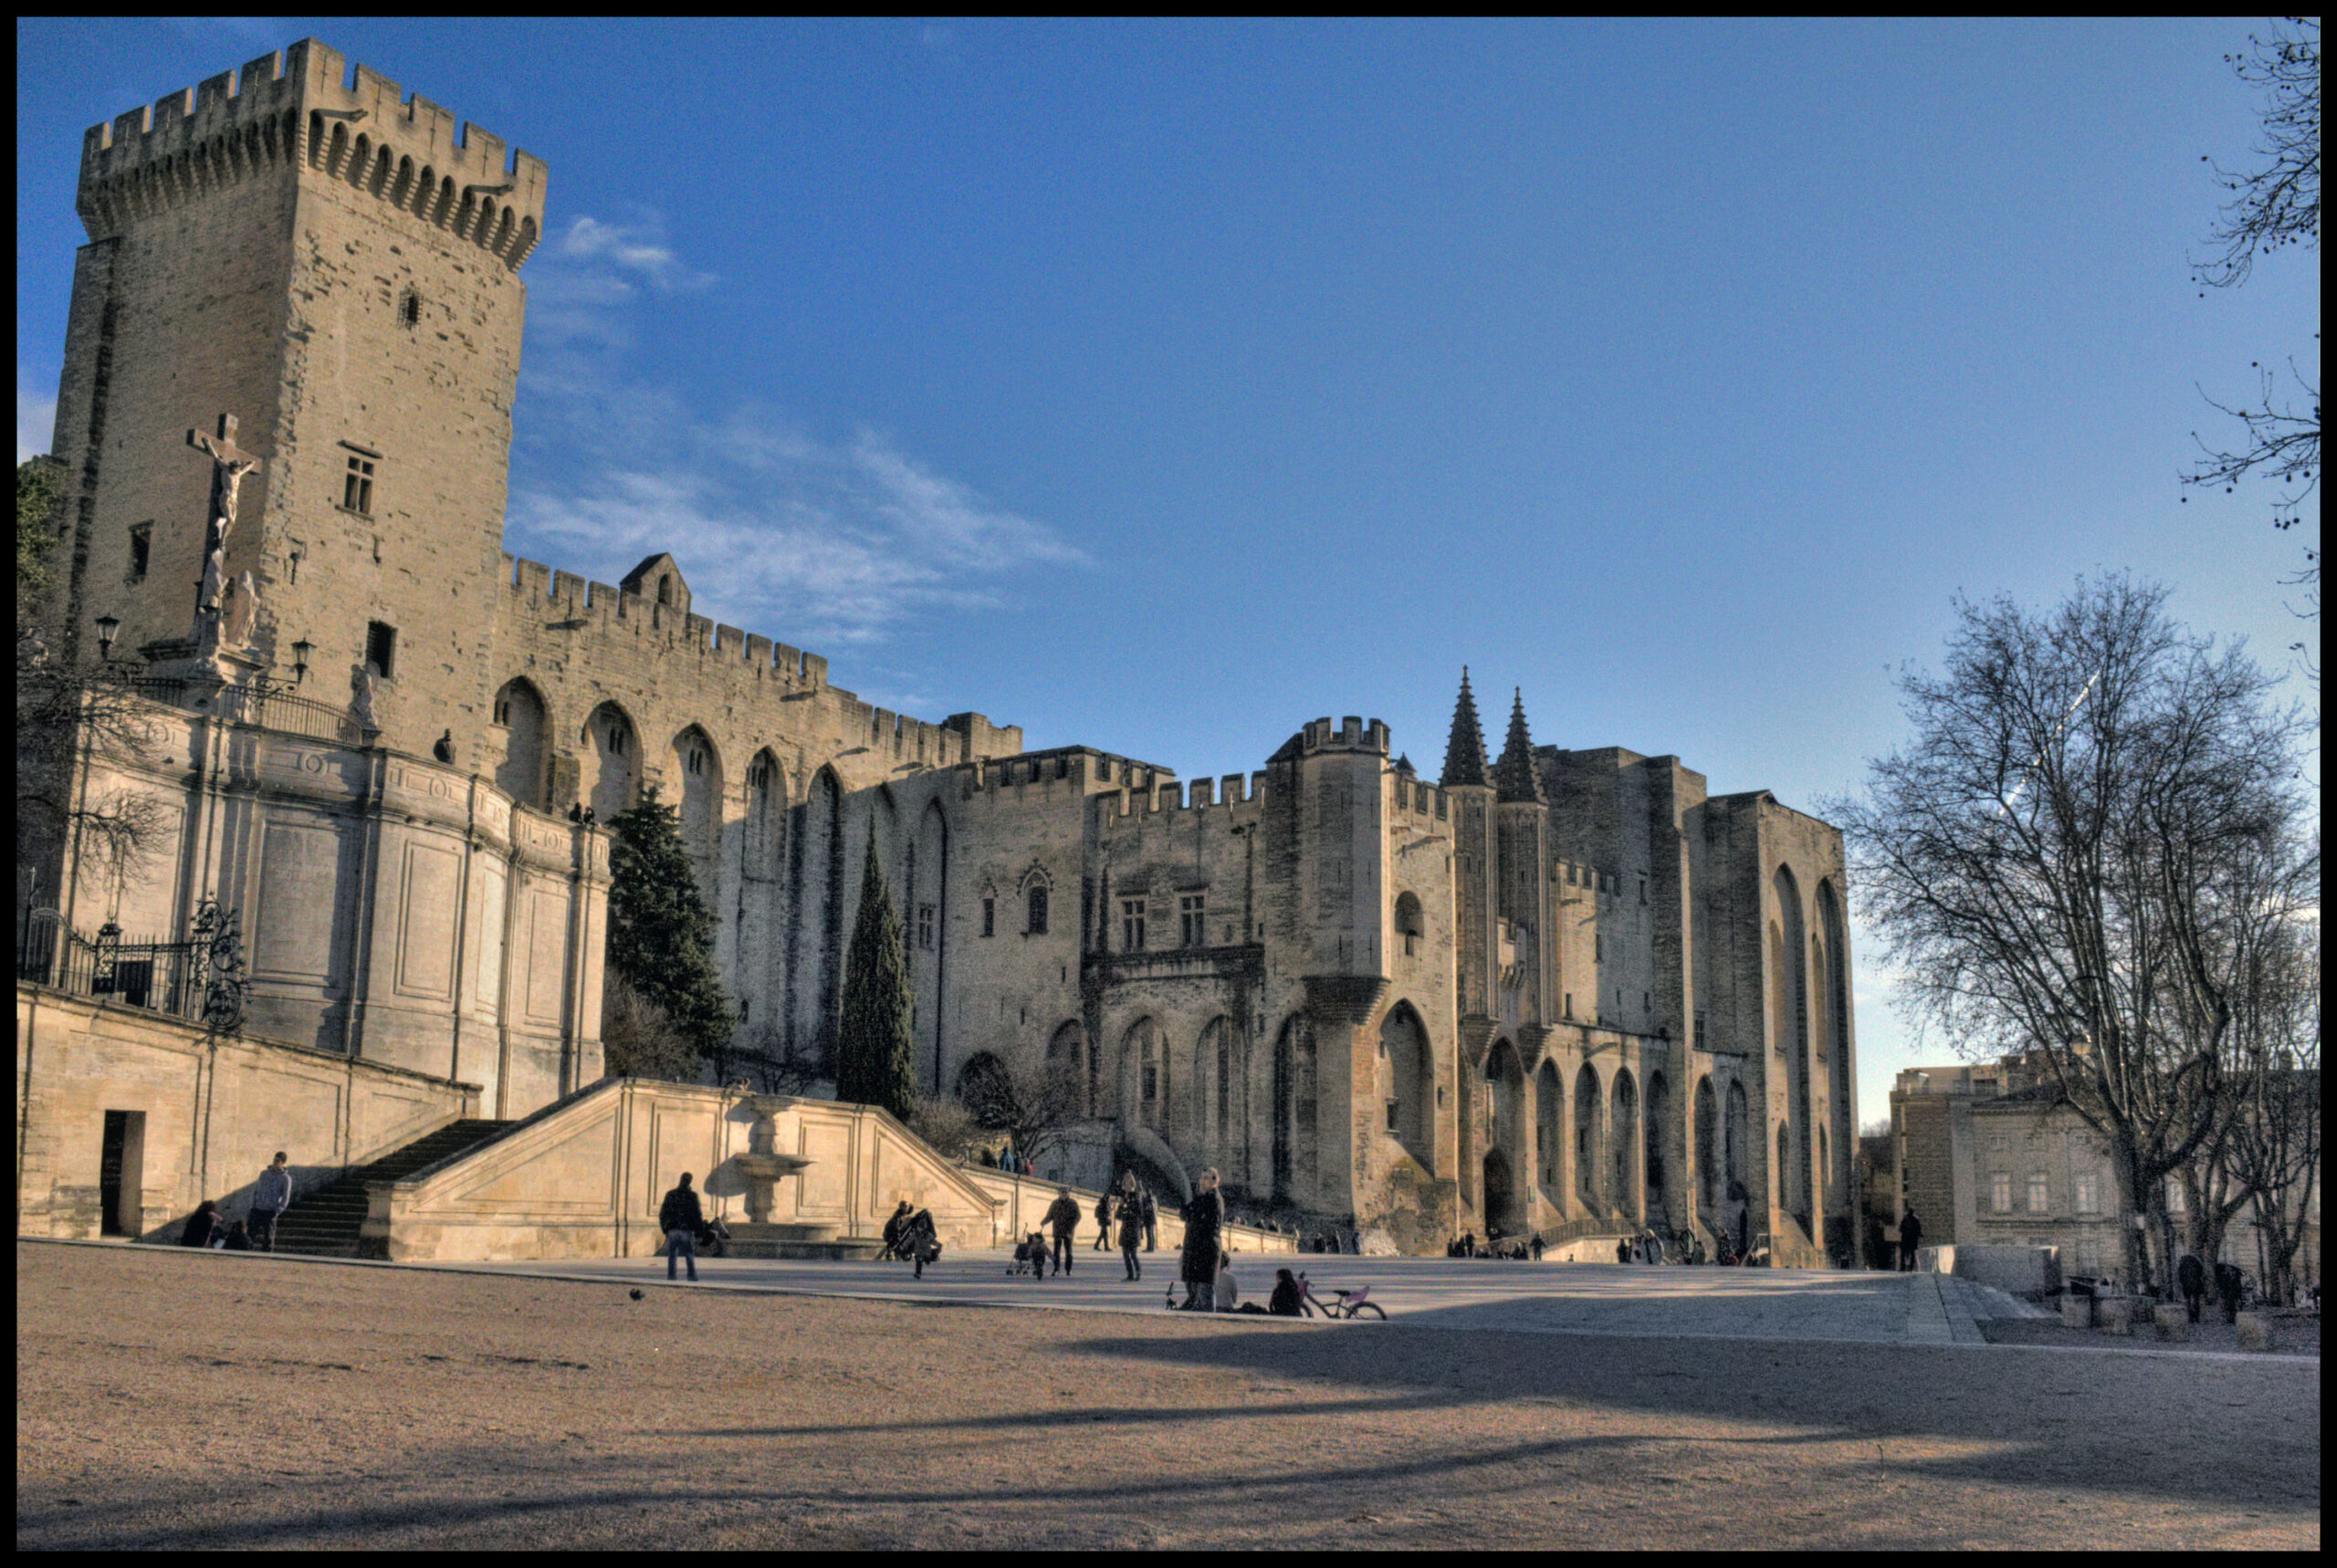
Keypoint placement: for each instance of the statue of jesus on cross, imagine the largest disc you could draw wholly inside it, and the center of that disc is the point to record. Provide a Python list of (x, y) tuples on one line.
[(229, 465)]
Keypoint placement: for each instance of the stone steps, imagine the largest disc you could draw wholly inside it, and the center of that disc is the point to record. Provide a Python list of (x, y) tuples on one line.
[(327, 1223)]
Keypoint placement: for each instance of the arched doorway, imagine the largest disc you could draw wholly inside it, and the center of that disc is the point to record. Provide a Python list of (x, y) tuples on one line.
[(1293, 1155), (1549, 1119), (1623, 1140), (1585, 1136), (1500, 1201), (1407, 1083)]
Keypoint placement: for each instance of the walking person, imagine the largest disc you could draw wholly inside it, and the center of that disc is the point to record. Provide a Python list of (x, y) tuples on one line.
[(681, 1219), (1062, 1218), (1104, 1220), (893, 1233), (1910, 1237), (1151, 1220), (271, 1196), (1131, 1234), (1204, 1216), (2192, 1275), (2230, 1285)]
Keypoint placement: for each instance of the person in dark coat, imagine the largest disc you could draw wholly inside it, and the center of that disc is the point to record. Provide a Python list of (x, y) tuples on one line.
[(1285, 1302), (1910, 1237), (893, 1233), (1062, 1218), (239, 1238), (681, 1219), (2230, 1284), (1103, 1220), (920, 1240), (1204, 1217), (1151, 1221), (1131, 1235), (201, 1226), (2192, 1275)]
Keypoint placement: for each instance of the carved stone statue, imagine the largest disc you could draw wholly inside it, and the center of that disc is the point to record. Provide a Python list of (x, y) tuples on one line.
[(360, 700), (229, 467), (238, 614)]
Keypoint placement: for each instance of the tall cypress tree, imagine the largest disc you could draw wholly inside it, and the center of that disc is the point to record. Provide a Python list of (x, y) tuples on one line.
[(874, 1065), (661, 935)]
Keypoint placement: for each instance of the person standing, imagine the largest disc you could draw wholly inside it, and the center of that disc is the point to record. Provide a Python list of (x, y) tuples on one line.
[(1151, 1220), (2192, 1275), (1131, 1234), (1204, 1216), (2230, 1285), (271, 1196), (1104, 1220), (1910, 1237), (680, 1218), (1062, 1218)]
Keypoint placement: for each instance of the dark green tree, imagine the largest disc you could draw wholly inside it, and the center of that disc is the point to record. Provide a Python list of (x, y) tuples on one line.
[(873, 1066), (661, 935), (40, 488)]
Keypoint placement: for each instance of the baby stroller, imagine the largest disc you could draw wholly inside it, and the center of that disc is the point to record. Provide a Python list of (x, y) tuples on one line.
[(1031, 1257)]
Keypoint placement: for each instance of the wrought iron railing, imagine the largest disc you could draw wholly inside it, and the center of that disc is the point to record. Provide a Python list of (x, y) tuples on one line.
[(200, 979), (262, 708)]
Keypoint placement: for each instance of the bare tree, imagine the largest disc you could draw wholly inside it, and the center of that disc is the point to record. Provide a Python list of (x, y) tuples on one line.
[(639, 1041), (2092, 802), (2274, 205), (2272, 1151), (1033, 1105), (65, 725)]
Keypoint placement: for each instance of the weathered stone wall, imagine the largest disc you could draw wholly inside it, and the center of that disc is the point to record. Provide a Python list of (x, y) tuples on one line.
[(213, 1110), (392, 909), (585, 1178)]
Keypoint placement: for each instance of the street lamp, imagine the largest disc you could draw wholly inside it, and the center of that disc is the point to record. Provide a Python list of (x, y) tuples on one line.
[(107, 626), (300, 651)]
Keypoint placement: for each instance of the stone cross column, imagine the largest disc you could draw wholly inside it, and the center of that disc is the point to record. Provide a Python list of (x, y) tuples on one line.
[(229, 465)]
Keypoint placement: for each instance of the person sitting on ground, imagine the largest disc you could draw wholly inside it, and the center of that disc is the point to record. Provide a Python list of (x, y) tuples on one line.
[(1282, 1303), (1228, 1293), (238, 1240), (202, 1225)]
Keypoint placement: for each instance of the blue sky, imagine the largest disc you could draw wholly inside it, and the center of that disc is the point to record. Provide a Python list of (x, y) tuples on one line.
[(1161, 386)]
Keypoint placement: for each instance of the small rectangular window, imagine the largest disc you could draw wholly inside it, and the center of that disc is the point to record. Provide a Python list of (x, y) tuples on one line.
[(1569, 1004), (990, 917), (1392, 1115), (142, 545), (925, 927), (1132, 926), (1193, 918), (2000, 1193), (382, 648), (2089, 1202), (1037, 921), (2175, 1203), (357, 486), (2038, 1192)]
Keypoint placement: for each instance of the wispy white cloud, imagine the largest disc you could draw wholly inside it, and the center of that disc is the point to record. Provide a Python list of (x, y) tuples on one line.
[(36, 416), (818, 541)]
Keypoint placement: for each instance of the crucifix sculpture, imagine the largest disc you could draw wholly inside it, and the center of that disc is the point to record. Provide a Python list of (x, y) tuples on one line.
[(229, 465)]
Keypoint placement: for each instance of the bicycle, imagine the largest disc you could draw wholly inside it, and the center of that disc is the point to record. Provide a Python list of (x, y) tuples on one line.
[(1350, 1306)]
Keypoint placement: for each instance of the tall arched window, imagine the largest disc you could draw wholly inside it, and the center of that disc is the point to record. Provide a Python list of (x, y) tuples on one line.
[(612, 758), (518, 731)]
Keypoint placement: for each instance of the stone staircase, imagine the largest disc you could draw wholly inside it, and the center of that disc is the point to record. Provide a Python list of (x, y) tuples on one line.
[(325, 1224)]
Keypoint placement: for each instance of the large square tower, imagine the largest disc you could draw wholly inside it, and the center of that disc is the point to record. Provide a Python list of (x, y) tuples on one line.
[(337, 267)]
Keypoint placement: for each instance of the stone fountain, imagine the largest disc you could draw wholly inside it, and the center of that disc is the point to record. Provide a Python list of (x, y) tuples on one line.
[(760, 1170)]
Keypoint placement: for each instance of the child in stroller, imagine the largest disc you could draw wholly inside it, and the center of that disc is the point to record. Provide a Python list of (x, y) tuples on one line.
[(1031, 1257)]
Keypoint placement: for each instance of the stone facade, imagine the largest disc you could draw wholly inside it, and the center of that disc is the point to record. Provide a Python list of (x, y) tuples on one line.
[(1567, 992), (1986, 1157)]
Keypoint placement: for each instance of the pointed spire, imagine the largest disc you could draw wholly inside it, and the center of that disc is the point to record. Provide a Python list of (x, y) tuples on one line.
[(1464, 754), (1515, 775)]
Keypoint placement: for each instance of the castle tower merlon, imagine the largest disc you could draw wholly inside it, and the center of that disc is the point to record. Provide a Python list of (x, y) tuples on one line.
[(294, 108)]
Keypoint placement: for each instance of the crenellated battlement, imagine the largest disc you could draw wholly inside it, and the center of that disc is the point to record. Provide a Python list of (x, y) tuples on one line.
[(765, 670), (1239, 798), (1353, 734), (293, 109)]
